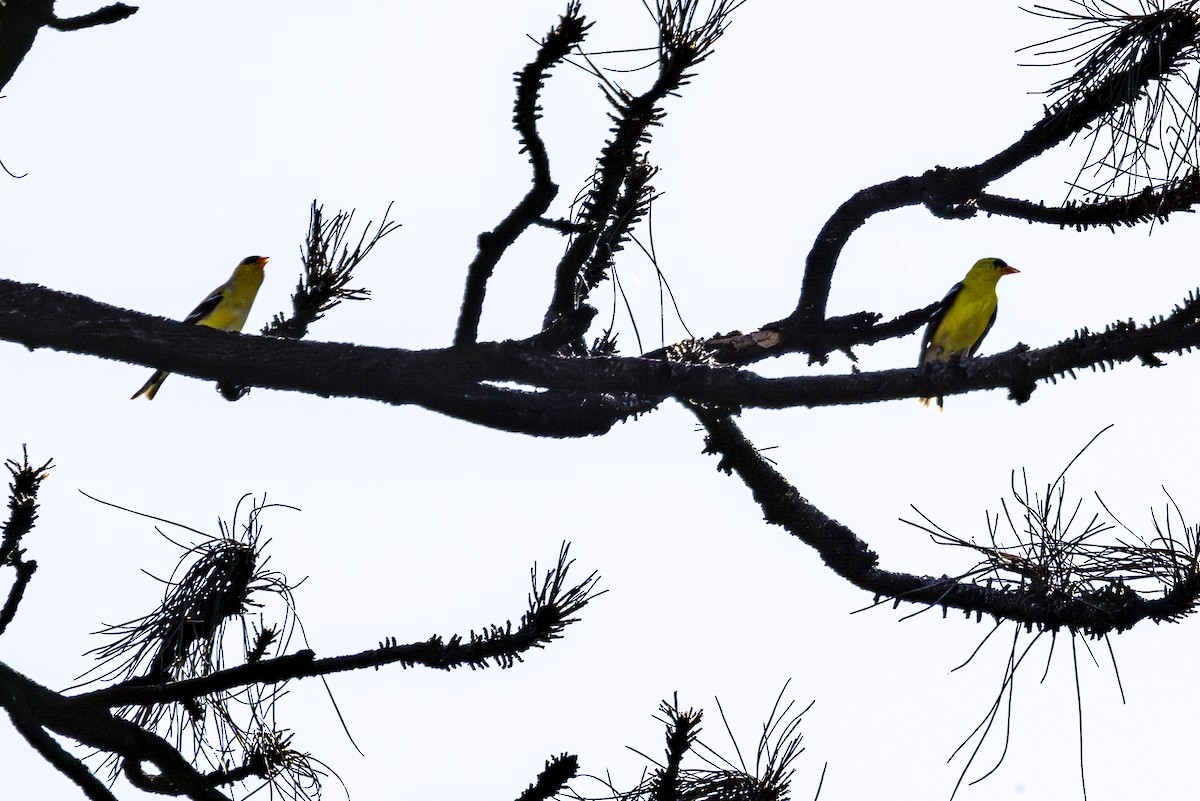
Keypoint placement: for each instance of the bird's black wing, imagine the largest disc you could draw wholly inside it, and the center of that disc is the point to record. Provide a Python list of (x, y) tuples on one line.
[(991, 322), (939, 314), (206, 306)]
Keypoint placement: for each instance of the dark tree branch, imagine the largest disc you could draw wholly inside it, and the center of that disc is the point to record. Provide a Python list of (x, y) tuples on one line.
[(682, 46), (22, 505), (556, 413), (175, 776), (570, 31), (1149, 205), (551, 781), (589, 394), (38, 317), (26, 724), (25, 570), (630, 208), (683, 726), (786, 336), (849, 217), (101, 16), (41, 709), (20, 21), (85, 717), (226, 776), (1112, 609), (552, 607), (951, 193), (559, 396), (264, 671)]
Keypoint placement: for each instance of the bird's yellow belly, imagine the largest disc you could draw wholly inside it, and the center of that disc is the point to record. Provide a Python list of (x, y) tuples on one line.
[(229, 317), (962, 328)]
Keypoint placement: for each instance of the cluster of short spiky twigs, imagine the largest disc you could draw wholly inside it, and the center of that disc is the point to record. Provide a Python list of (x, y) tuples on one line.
[(1056, 554), (720, 779)]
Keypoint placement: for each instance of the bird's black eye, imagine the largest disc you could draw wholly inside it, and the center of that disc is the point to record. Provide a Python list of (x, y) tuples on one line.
[(999, 263)]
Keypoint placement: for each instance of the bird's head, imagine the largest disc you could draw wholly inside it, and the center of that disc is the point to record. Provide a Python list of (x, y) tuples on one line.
[(990, 270), (254, 261)]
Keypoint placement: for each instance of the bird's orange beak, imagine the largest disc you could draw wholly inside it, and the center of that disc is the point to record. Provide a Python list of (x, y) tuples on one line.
[(1007, 270), (262, 261)]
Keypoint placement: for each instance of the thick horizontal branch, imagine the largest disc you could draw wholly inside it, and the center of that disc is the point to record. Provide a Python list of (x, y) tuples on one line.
[(575, 396), (37, 317)]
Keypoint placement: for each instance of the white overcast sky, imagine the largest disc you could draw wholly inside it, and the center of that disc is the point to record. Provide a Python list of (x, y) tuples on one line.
[(161, 150)]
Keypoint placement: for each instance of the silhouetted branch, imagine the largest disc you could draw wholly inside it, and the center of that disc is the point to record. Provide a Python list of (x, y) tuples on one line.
[(42, 710), (683, 726), (20, 21), (22, 505), (786, 336), (101, 16), (1149, 205), (215, 609), (682, 45), (26, 724), (25, 570), (570, 31), (1148, 134), (19, 26), (552, 607), (551, 781), (1113, 607), (952, 193), (1052, 551), (590, 394)]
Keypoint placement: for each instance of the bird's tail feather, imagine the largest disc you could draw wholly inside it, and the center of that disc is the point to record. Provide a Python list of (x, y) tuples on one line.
[(150, 388)]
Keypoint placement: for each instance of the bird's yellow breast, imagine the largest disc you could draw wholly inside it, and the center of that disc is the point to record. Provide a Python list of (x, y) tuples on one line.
[(965, 322), (237, 297)]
